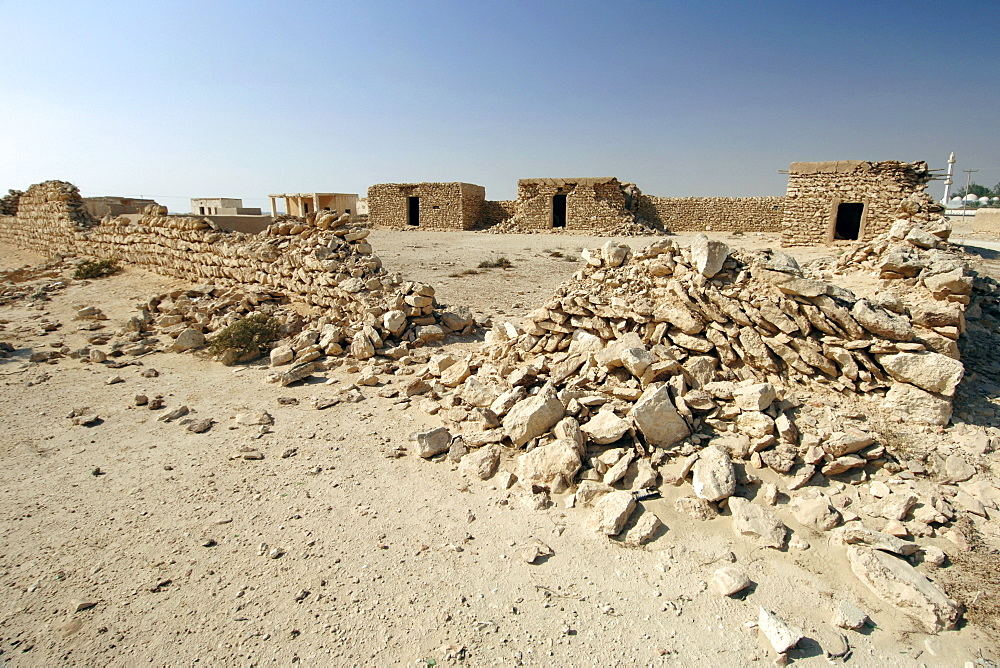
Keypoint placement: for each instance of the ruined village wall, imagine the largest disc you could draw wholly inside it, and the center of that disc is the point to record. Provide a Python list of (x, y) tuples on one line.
[(455, 206), (719, 214), (816, 189), (326, 263)]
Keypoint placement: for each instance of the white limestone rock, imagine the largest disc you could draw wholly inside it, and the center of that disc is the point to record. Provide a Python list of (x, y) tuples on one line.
[(657, 418), (481, 463), (757, 523), (532, 417), (708, 255), (553, 465), (929, 371), (612, 511), (433, 442), (898, 583), (714, 477), (729, 580), (917, 405), (605, 427), (781, 636)]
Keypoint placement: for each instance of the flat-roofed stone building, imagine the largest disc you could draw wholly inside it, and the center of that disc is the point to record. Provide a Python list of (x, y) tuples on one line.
[(221, 206), (452, 206), (851, 199)]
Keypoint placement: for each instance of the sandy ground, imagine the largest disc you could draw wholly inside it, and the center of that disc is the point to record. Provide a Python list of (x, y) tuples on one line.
[(383, 561)]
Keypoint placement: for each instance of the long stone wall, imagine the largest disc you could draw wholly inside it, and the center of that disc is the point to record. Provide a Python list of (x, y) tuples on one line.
[(719, 214), (324, 262), (456, 206), (816, 189)]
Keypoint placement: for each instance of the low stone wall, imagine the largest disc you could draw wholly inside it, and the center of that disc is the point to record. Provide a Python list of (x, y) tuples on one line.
[(325, 262), (718, 214), (986, 221)]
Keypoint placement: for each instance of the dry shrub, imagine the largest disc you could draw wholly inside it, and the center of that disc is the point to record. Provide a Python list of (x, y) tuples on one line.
[(96, 269), (251, 334)]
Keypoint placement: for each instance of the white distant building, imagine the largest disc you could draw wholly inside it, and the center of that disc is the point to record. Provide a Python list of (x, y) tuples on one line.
[(221, 206)]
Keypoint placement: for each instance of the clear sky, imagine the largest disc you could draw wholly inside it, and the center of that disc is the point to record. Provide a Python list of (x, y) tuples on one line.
[(218, 98)]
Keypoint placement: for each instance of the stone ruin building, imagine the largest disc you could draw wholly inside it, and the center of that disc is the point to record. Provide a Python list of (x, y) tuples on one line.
[(852, 200), (592, 205), (98, 207), (449, 206), (847, 200)]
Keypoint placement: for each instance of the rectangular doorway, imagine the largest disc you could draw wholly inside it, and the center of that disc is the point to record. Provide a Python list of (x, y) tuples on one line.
[(559, 211), (413, 211), (848, 223)]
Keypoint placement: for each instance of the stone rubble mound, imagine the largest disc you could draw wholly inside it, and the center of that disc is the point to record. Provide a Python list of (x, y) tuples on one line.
[(706, 362), (627, 226)]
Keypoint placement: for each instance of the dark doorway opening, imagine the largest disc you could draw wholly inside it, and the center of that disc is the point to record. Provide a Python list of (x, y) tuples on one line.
[(848, 225), (413, 211), (559, 211)]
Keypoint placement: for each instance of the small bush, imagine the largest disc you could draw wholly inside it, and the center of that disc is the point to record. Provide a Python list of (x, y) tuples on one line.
[(248, 335), (96, 269), (499, 263)]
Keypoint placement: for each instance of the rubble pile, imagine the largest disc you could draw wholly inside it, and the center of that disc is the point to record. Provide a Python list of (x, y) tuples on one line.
[(705, 362), (626, 226)]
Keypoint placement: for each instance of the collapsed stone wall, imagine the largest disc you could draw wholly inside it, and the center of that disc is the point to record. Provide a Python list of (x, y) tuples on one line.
[(720, 214), (498, 212), (323, 261), (457, 206), (8, 203), (815, 189)]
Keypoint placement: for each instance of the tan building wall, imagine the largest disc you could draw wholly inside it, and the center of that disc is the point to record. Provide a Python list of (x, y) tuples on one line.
[(719, 214), (813, 210), (453, 206)]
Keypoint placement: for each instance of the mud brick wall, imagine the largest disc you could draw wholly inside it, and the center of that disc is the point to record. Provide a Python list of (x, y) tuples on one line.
[(720, 214), (454, 206), (815, 189)]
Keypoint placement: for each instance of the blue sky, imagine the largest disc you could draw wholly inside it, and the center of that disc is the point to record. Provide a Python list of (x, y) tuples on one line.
[(207, 98)]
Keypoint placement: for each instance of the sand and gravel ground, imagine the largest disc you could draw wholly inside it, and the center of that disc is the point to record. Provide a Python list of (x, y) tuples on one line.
[(382, 561)]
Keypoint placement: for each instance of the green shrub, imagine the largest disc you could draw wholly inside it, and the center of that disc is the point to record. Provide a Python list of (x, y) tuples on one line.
[(248, 335), (96, 269)]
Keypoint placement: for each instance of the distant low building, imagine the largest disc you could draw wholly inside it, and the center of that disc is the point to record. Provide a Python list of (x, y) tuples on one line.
[(221, 206), (302, 204), (98, 207)]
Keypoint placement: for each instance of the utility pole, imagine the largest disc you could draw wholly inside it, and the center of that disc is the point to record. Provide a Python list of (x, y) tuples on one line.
[(948, 181), (968, 185)]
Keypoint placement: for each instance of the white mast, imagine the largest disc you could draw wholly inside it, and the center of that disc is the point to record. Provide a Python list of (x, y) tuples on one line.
[(947, 181)]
